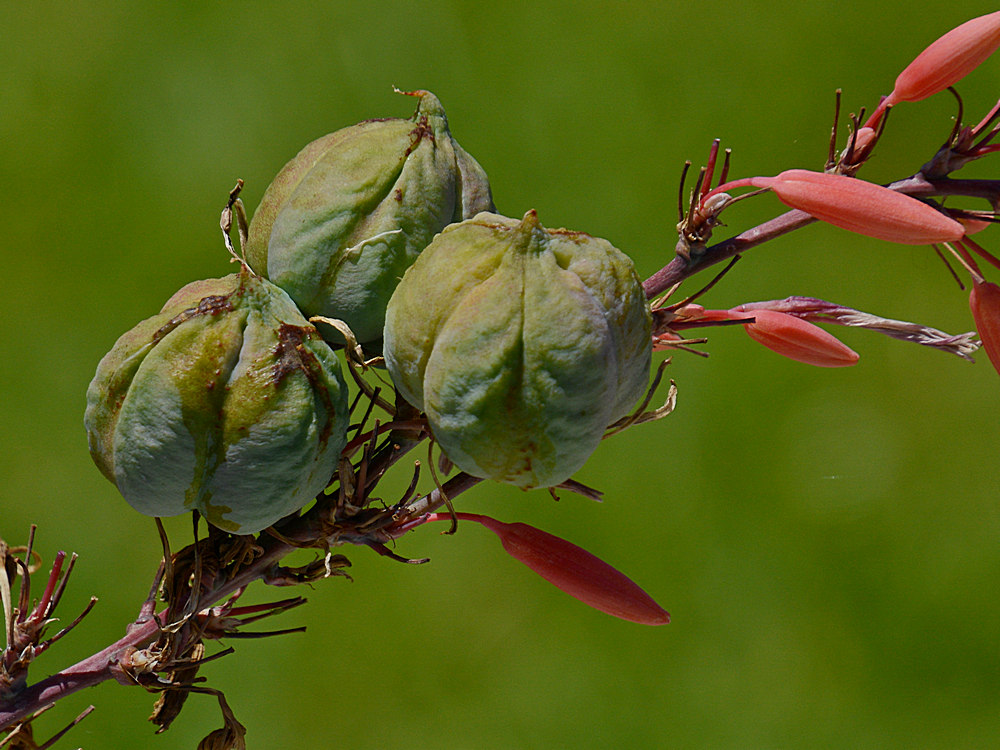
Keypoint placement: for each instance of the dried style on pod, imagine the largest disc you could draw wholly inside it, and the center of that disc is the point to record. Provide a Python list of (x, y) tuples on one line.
[(521, 344), (227, 402), (344, 219)]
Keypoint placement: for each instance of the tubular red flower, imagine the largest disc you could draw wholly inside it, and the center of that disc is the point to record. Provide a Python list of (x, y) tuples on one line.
[(798, 339), (947, 60), (984, 301), (862, 207), (572, 569)]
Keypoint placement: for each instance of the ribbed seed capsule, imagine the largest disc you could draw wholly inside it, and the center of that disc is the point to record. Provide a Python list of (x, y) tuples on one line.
[(521, 344), (227, 402), (344, 219)]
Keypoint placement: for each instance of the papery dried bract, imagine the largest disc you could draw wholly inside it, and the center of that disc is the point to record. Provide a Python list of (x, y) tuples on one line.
[(227, 402), (347, 216), (984, 301), (862, 207), (521, 344)]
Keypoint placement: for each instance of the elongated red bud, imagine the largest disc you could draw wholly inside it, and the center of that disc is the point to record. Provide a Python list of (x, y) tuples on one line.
[(862, 207), (948, 60), (572, 569), (798, 339), (984, 300)]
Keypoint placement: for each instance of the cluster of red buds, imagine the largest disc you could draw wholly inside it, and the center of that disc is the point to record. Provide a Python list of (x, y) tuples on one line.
[(893, 213)]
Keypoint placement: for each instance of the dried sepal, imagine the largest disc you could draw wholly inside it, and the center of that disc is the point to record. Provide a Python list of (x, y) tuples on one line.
[(643, 413), (232, 734)]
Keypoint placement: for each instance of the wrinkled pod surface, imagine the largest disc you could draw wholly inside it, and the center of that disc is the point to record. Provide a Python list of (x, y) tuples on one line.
[(344, 219), (227, 402), (521, 344)]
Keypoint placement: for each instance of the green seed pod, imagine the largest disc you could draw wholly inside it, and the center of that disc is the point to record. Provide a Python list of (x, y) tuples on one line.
[(227, 402), (344, 219), (521, 344)]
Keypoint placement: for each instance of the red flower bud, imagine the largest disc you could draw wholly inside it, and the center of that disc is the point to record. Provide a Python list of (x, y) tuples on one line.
[(862, 207), (984, 300), (947, 60), (798, 339), (572, 569)]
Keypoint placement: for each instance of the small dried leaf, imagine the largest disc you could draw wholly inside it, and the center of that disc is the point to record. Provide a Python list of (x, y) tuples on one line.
[(170, 702), (232, 735)]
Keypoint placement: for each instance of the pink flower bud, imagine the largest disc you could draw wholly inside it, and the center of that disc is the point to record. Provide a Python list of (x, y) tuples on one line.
[(984, 300), (862, 207), (798, 339), (572, 569), (948, 60), (863, 139)]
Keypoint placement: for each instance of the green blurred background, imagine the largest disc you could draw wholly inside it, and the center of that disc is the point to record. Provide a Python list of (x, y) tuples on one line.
[(826, 541)]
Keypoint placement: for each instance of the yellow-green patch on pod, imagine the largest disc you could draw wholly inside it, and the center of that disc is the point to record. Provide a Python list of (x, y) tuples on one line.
[(344, 219), (521, 344), (227, 402)]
